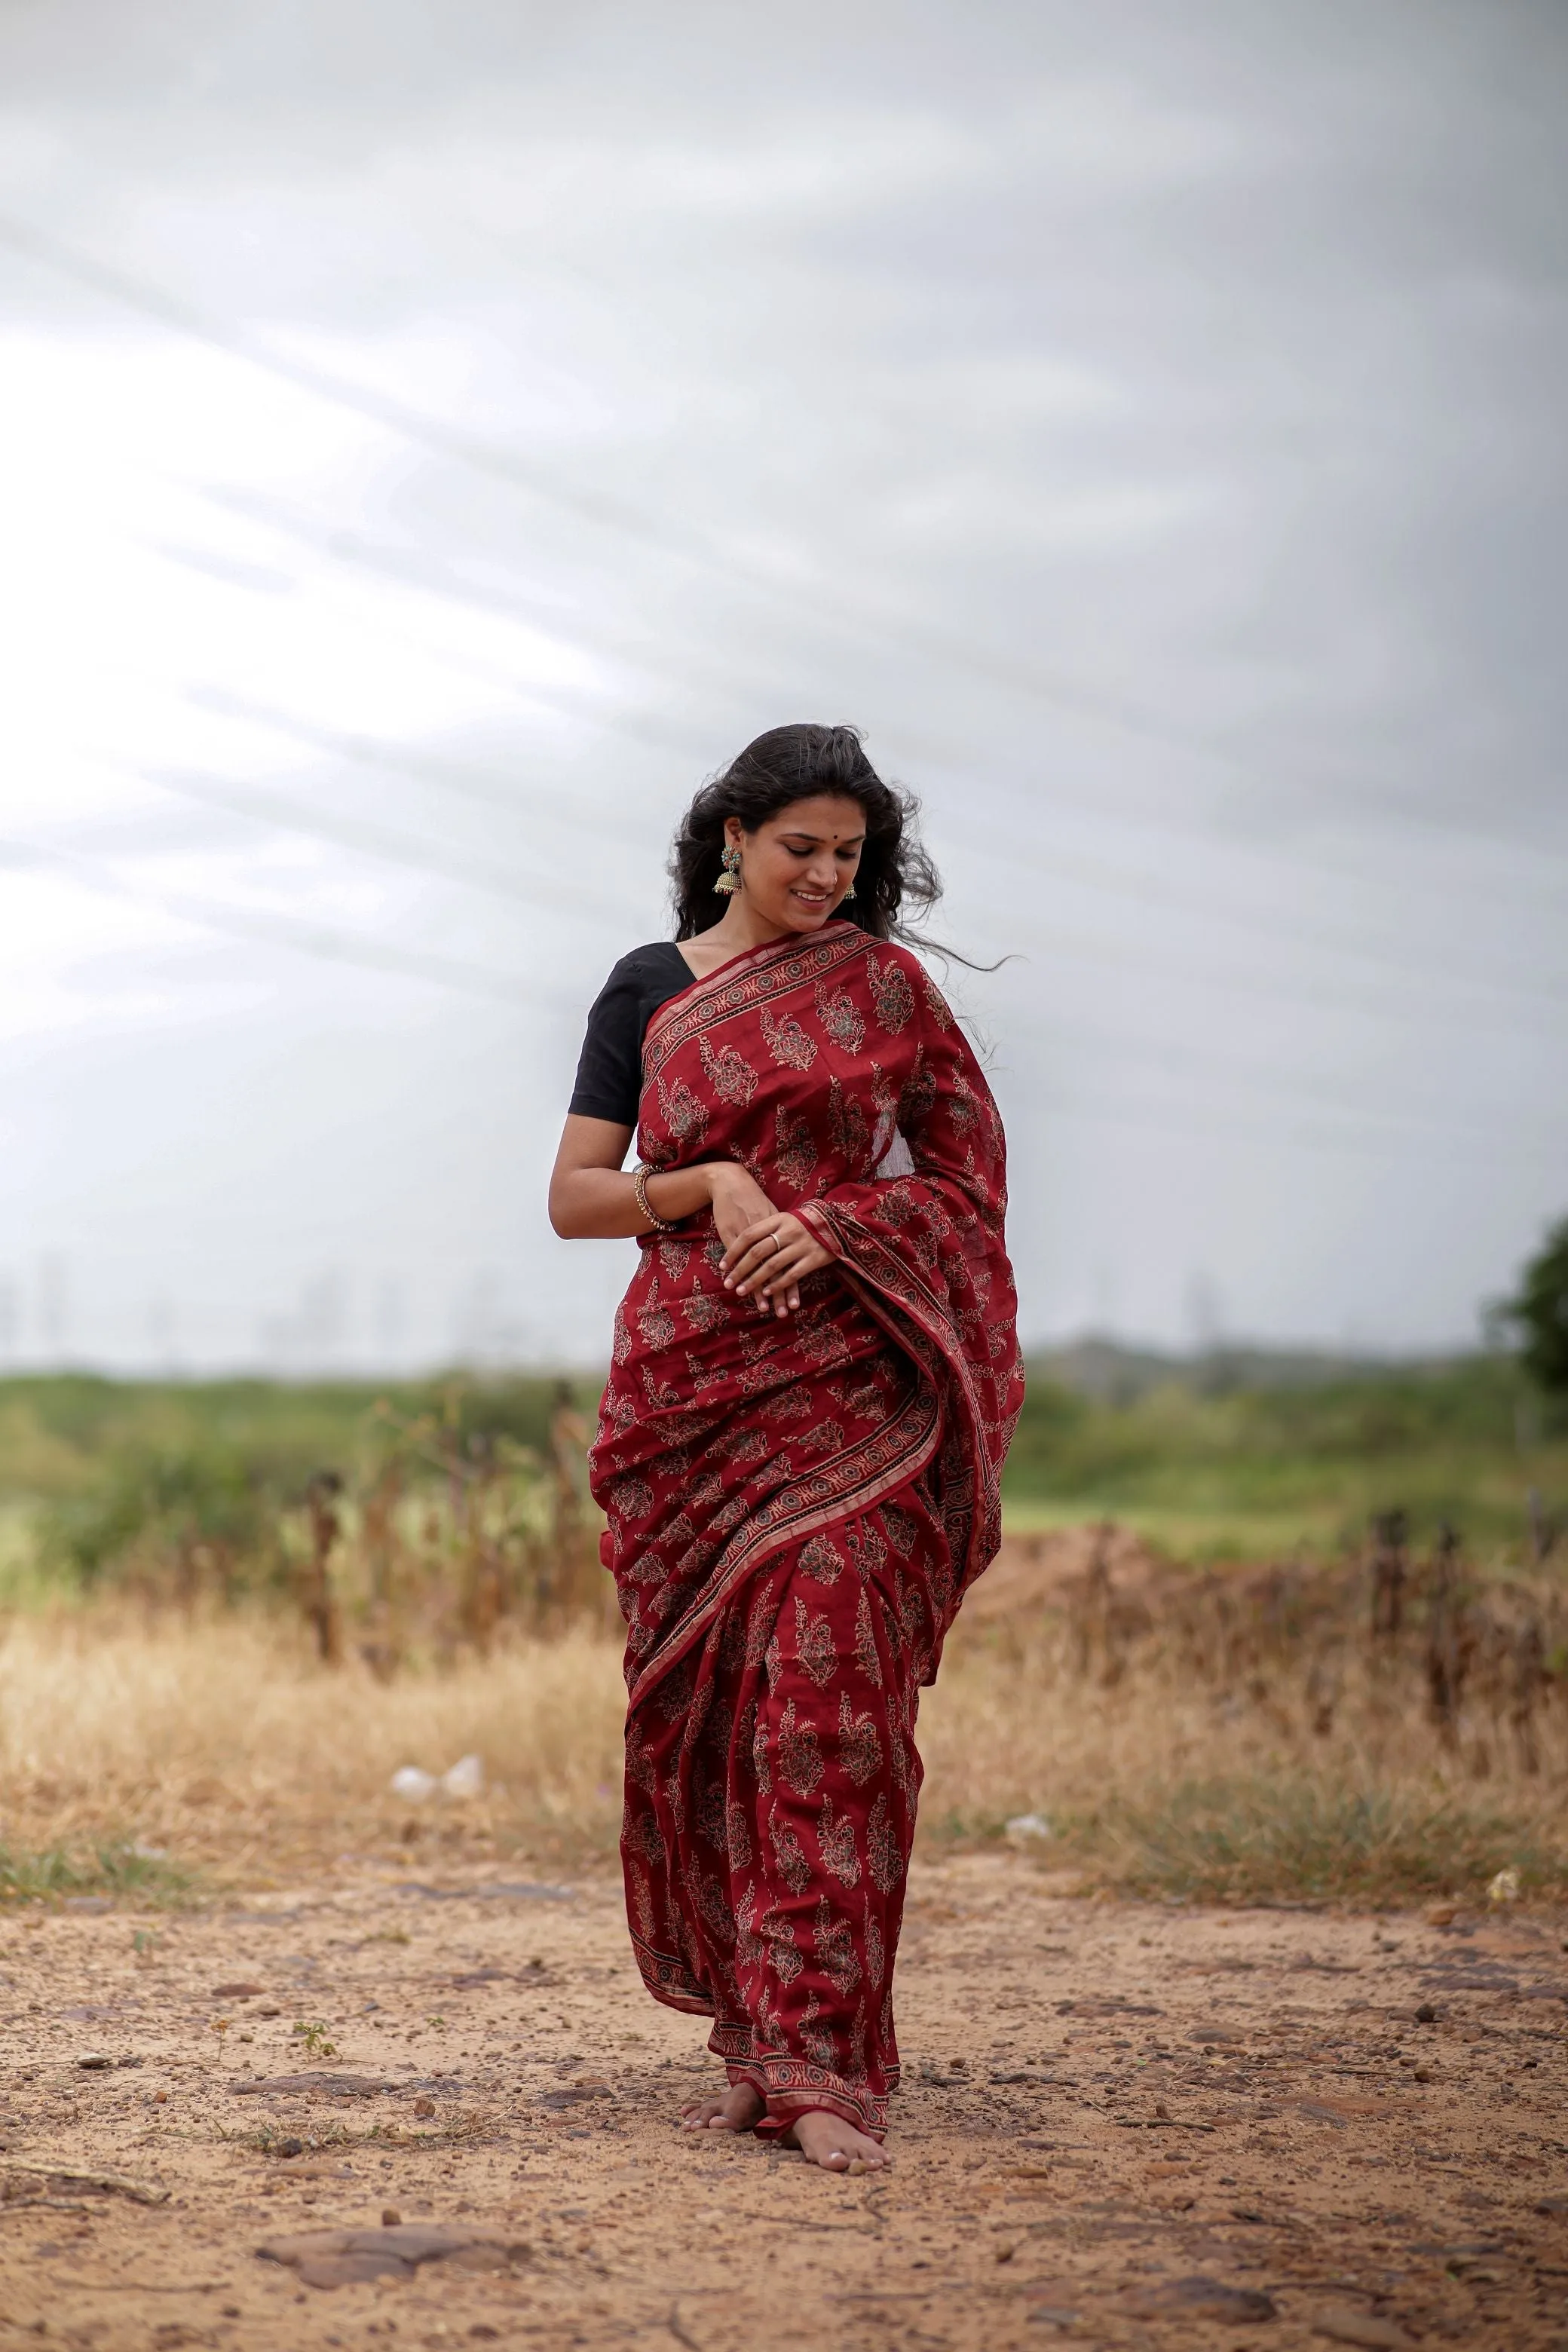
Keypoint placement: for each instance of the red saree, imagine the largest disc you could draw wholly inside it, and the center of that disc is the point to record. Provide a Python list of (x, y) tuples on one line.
[(795, 1508)]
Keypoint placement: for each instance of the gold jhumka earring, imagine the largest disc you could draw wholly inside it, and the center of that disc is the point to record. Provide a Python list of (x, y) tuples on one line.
[(729, 882)]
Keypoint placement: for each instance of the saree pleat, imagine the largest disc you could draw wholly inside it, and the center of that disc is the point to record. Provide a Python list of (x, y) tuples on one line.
[(795, 1508)]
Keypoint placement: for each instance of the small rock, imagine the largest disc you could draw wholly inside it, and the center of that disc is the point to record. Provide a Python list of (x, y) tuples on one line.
[(391, 2219), (466, 1779), (416, 1787), (1027, 1829), (1005, 2253), (1200, 2298), (423, 2106), (290, 2148), (1054, 2315), (330, 2258), (1504, 1888), (1422, 2074), (1342, 2324), (95, 2064), (1442, 1915), (1425, 2014)]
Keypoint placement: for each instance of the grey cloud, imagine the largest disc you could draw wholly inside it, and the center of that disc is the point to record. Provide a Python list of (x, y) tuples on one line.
[(1146, 418)]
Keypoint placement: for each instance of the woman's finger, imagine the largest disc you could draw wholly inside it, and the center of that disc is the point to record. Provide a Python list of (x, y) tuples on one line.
[(748, 1237), (749, 1263), (773, 1250), (785, 1266), (752, 1249), (751, 1269), (804, 1258)]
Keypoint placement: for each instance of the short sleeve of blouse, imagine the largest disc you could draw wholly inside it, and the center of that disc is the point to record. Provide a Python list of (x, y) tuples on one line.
[(609, 1068)]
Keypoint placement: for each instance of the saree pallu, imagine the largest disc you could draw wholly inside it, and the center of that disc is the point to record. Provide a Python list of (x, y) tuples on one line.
[(796, 1507)]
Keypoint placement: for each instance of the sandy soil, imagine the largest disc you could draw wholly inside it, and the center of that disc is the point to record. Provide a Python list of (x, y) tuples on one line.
[(1104, 2105)]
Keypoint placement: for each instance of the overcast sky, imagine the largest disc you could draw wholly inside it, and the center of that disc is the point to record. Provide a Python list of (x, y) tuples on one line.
[(437, 434)]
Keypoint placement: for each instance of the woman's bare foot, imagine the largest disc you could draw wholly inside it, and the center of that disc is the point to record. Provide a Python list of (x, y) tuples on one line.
[(829, 2141), (740, 2110)]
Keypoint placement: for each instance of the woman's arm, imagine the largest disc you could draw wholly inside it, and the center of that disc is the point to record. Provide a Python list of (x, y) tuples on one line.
[(592, 1198)]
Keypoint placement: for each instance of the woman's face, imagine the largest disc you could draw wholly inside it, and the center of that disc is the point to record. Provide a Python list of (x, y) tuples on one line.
[(797, 866)]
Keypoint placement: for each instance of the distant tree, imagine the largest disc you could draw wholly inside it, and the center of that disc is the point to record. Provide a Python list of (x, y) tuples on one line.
[(1539, 1312)]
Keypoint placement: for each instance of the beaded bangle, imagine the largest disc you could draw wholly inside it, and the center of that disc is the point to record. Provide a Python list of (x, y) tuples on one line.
[(639, 1186)]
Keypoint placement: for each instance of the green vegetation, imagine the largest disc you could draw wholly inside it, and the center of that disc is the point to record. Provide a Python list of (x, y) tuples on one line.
[(187, 1487), (1539, 1313), (1293, 1839), (57, 1431), (119, 1870), (1237, 1458), (1207, 1467)]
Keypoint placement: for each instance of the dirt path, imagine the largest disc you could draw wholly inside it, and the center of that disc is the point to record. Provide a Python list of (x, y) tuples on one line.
[(1104, 2105)]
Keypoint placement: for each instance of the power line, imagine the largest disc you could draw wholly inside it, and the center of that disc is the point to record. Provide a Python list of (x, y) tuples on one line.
[(421, 856), (1296, 1138), (427, 575), (1160, 895), (387, 759), (602, 510), (318, 941), (553, 895), (280, 930), (1167, 1053), (347, 550), (1114, 880)]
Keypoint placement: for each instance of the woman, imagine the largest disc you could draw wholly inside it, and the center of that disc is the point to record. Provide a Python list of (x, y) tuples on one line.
[(816, 1378)]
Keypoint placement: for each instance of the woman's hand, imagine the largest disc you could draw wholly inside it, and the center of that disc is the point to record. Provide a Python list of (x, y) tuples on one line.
[(767, 1259), (738, 1201), (742, 1213)]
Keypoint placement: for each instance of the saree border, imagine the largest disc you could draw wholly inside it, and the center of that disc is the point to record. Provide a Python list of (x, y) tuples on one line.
[(744, 981), (909, 1296), (669, 1978), (892, 1293), (850, 1482)]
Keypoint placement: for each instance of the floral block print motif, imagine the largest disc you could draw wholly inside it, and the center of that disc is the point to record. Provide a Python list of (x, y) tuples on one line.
[(796, 1507)]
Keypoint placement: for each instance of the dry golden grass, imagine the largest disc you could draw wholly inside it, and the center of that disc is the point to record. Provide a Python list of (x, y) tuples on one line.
[(229, 1746), (1278, 1733), (1157, 1787), (1174, 1742)]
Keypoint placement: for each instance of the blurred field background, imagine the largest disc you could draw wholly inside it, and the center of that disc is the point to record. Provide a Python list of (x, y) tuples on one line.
[(1264, 1627), (442, 435)]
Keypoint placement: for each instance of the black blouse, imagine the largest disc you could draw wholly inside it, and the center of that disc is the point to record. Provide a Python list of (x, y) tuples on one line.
[(609, 1069)]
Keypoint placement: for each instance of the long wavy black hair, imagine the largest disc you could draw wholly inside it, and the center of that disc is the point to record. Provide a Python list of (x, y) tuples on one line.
[(895, 877)]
